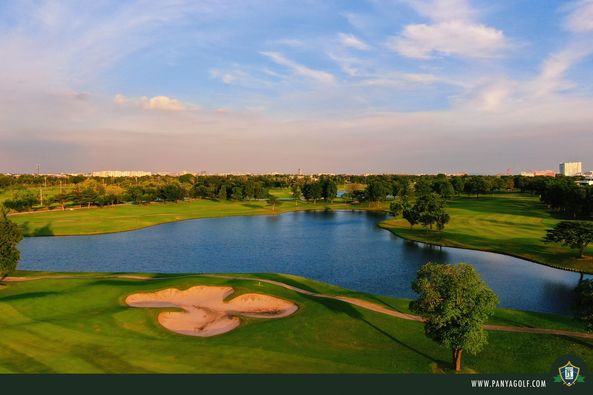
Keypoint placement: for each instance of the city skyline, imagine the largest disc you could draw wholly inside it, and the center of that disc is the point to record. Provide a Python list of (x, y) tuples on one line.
[(382, 86)]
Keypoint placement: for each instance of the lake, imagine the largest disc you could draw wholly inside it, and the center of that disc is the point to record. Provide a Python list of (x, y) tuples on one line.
[(344, 248)]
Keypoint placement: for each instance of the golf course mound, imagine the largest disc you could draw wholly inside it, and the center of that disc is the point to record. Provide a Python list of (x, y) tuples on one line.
[(205, 311)]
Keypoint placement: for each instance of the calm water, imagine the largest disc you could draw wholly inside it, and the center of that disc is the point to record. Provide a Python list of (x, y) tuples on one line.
[(342, 248)]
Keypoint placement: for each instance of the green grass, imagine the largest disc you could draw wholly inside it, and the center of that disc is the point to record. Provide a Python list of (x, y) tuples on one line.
[(512, 224), (81, 325), (281, 193), (129, 217)]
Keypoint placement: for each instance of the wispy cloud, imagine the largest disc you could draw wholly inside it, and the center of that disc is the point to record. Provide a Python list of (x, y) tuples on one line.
[(299, 69), (351, 41), (580, 17)]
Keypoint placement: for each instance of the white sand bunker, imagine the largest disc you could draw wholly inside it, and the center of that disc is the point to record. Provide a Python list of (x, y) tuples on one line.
[(205, 311)]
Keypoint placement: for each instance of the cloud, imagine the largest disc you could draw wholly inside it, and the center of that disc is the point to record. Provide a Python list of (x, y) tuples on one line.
[(444, 10), (158, 103), (580, 18), (453, 31), (349, 40), (299, 69), (422, 41)]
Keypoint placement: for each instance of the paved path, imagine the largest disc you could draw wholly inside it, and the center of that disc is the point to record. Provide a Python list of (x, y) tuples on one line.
[(353, 301)]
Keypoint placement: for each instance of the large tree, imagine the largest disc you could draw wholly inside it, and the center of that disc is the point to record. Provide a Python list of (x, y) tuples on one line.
[(574, 234), (10, 235), (584, 303), (454, 303)]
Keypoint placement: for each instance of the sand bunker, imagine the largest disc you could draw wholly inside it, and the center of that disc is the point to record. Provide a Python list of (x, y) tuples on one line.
[(205, 311)]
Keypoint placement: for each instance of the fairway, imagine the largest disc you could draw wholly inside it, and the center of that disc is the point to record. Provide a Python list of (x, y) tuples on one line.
[(83, 325), (129, 217), (512, 224)]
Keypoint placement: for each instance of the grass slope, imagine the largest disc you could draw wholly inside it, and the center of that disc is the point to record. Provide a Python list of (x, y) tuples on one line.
[(512, 224), (82, 325), (129, 217)]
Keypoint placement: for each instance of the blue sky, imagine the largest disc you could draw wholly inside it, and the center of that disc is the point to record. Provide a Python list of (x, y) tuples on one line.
[(260, 86)]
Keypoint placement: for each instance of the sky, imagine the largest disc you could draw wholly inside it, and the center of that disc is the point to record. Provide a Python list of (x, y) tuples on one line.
[(395, 86)]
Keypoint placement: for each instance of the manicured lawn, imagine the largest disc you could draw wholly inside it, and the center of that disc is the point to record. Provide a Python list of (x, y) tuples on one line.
[(512, 224), (81, 325), (129, 217)]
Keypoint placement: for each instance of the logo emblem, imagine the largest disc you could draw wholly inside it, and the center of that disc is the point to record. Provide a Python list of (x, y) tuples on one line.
[(569, 374)]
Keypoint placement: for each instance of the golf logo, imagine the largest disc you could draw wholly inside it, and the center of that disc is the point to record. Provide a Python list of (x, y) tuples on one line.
[(569, 374), (569, 370)]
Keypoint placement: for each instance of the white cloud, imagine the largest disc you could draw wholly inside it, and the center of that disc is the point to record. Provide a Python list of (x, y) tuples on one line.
[(299, 69), (551, 78), (159, 103), (422, 41), (444, 10), (119, 99), (350, 40), (289, 42), (580, 18)]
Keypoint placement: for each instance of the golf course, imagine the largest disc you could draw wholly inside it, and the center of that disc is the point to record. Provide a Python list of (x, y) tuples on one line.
[(81, 323), (127, 217), (506, 223), (140, 323)]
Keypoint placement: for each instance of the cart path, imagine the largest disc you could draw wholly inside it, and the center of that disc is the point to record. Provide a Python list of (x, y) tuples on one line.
[(353, 301)]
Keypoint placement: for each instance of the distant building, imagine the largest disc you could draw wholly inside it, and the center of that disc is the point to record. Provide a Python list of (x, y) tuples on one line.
[(570, 168), (534, 173), (119, 173)]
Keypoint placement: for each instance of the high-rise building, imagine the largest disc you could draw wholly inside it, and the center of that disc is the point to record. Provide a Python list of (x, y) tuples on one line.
[(570, 168)]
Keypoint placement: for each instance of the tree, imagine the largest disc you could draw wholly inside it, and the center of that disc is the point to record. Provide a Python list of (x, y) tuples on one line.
[(329, 190), (397, 207), (574, 234), (584, 303), (171, 192), (376, 191), (410, 214), (423, 187), (296, 193), (454, 303), (273, 201), (429, 209), (10, 236), (23, 200), (237, 193), (222, 192), (312, 191)]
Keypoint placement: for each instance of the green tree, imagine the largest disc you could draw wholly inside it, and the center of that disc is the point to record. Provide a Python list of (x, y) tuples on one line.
[(376, 191), (454, 303), (10, 236), (296, 193), (329, 190), (410, 214), (422, 187), (23, 200), (584, 303), (222, 192), (574, 234), (273, 201), (430, 209), (237, 193)]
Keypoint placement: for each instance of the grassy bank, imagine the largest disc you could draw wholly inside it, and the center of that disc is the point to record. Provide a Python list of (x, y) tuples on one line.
[(82, 325), (129, 217), (512, 224)]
